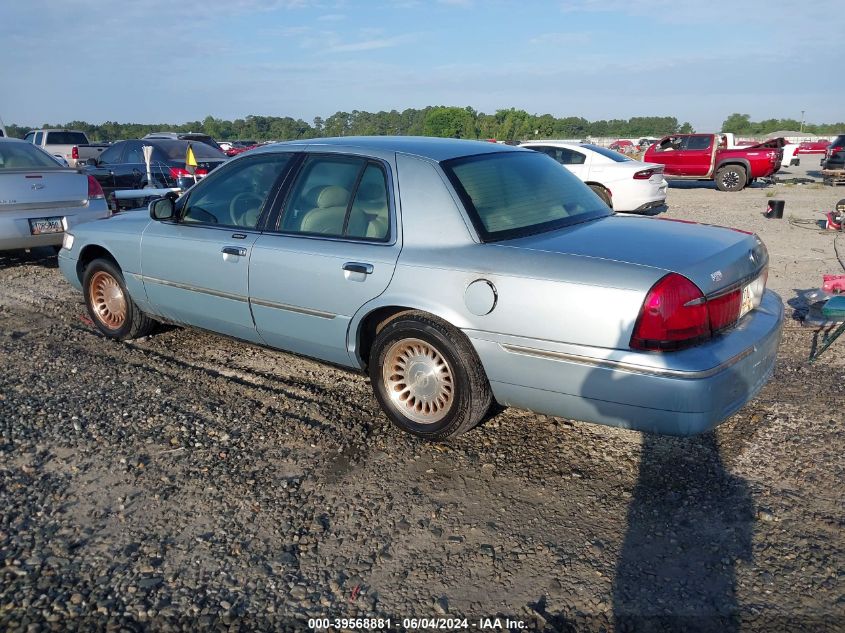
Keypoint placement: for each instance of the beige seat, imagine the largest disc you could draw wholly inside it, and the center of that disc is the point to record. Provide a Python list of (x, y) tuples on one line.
[(369, 214), (327, 217)]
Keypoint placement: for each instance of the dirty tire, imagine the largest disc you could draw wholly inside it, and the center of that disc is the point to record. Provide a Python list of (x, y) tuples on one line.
[(109, 304), (731, 178), (602, 193), (427, 377)]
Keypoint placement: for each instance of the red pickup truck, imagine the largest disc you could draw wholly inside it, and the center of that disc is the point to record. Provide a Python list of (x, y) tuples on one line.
[(706, 157)]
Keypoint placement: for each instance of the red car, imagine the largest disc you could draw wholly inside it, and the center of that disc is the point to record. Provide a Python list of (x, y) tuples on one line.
[(705, 157), (812, 147), (622, 146)]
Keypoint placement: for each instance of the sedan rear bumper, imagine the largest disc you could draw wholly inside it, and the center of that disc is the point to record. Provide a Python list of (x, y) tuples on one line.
[(15, 227), (679, 393)]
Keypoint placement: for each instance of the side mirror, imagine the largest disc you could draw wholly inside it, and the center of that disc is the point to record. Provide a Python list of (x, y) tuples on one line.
[(92, 162), (162, 209)]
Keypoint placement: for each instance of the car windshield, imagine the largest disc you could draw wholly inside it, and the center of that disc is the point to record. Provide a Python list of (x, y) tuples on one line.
[(177, 150), (512, 194), (607, 153), (25, 156)]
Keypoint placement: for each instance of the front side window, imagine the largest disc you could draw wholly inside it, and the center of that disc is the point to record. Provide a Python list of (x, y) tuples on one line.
[(339, 196), (512, 194), (237, 194)]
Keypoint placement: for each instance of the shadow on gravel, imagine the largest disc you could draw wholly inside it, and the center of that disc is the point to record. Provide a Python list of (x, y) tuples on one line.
[(689, 523), (45, 256)]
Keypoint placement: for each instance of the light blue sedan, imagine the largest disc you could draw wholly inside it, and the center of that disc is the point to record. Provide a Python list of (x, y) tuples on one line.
[(455, 273)]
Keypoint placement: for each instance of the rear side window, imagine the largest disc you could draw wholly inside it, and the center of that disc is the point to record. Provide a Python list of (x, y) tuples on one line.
[(699, 142), (608, 153), (66, 138), (339, 196), (563, 155), (177, 150)]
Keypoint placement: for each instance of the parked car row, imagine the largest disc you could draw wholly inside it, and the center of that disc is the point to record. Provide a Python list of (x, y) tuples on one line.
[(122, 165), (456, 274)]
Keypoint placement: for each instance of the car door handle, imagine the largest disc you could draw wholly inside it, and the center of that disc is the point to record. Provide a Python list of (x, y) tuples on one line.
[(356, 267), (234, 250)]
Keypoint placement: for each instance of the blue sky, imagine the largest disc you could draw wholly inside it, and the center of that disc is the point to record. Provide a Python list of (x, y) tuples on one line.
[(165, 61)]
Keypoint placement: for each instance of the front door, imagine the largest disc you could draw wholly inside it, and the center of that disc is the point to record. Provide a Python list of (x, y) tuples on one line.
[(697, 156), (333, 249), (196, 269)]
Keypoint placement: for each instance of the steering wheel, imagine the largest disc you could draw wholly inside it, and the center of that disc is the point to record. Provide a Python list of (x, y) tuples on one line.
[(235, 214)]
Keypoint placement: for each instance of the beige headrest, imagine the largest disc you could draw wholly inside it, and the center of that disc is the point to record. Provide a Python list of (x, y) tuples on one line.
[(332, 196)]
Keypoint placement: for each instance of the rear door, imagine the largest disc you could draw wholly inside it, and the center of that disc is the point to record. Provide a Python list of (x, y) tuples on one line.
[(332, 249), (697, 155), (196, 270), (104, 170)]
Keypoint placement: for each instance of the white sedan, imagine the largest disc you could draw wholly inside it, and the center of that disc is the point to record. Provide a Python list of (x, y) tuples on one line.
[(625, 184)]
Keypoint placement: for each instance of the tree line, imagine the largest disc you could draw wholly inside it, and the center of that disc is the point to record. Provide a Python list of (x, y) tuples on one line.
[(445, 121), (742, 124)]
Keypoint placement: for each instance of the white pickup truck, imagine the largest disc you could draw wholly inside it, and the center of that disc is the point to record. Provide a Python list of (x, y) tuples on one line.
[(72, 146)]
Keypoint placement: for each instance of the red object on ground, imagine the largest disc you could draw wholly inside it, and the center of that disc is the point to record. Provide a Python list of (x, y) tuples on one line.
[(833, 283)]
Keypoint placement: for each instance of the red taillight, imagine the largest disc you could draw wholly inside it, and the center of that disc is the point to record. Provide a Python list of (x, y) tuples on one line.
[(645, 174), (201, 172), (674, 315), (95, 191), (179, 172), (724, 309), (74, 153)]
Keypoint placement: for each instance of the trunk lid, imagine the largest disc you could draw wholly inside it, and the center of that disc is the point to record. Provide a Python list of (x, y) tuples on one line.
[(22, 189), (712, 257)]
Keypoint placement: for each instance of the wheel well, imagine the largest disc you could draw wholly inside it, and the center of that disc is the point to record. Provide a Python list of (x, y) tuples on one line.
[(601, 186), (734, 164), (372, 324), (88, 255)]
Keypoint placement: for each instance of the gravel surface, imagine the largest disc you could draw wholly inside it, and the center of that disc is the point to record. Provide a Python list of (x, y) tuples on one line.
[(186, 481)]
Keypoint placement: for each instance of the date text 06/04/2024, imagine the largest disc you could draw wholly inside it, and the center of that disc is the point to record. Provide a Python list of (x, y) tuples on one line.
[(411, 624)]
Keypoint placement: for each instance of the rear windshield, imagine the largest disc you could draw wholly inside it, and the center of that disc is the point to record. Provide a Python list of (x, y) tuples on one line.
[(66, 138), (512, 194), (201, 138), (608, 153), (177, 150), (25, 156)]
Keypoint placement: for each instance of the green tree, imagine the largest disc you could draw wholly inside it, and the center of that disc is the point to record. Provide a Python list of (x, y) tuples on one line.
[(449, 122), (738, 124)]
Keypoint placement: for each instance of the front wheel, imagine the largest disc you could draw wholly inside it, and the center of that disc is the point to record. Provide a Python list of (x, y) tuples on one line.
[(730, 178), (109, 304), (427, 377)]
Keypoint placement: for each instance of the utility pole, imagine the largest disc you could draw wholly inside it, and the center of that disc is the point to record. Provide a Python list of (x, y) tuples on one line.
[(802, 121)]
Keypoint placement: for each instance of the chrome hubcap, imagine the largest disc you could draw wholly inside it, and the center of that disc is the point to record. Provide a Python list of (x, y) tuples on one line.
[(108, 300), (418, 380)]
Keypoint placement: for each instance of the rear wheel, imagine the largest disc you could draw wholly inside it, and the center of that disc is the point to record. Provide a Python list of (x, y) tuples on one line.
[(731, 178), (109, 304), (602, 193), (427, 377)]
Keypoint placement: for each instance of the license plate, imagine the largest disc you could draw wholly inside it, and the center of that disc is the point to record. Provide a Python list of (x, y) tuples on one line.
[(747, 304), (40, 226)]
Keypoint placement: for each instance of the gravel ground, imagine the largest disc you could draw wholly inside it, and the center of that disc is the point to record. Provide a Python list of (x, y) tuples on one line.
[(186, 481)]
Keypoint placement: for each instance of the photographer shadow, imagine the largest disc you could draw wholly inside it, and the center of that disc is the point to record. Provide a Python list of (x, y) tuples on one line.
[(689, 522)]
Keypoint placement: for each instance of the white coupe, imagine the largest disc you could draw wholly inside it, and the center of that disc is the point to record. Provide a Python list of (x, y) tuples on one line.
[(625, 184)]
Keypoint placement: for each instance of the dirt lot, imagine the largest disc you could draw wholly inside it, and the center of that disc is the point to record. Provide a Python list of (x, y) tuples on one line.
[(186, 481)]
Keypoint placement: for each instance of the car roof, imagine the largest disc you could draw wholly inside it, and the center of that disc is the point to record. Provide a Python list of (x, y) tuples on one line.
[(433, 148)]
